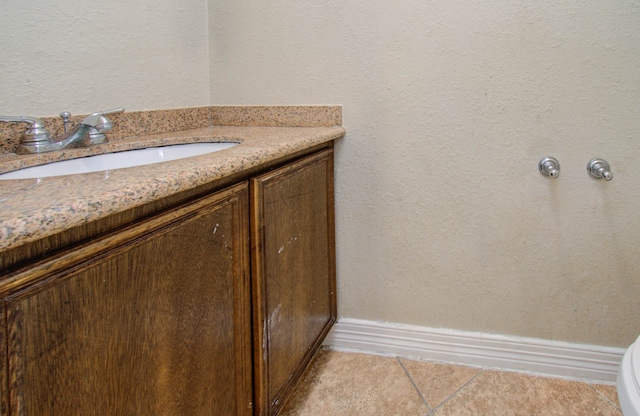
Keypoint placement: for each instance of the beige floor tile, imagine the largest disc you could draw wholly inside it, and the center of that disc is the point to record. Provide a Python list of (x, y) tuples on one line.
[(503, 393), (437, 382), (609, 392), (339, 383)]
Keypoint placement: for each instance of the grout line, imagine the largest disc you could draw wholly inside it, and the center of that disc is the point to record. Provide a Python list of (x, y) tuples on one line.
[(456, 392), (605, 397), (415, 386)]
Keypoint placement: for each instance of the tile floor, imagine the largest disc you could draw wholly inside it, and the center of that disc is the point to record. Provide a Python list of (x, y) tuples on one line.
[(344, 383)]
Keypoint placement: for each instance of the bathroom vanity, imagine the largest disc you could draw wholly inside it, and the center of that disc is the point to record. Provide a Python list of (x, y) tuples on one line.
[(209, 300)]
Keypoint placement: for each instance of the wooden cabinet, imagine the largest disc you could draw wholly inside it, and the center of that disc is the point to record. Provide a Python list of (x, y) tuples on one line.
[(214, 307), (154, 320), (293, 265)]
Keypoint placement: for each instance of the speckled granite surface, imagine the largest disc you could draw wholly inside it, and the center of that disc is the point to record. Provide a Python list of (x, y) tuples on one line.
[(277, 116), (34, 208), (136, 123)]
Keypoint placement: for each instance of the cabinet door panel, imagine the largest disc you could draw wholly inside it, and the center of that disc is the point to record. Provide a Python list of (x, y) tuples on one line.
[(293, 261), (153, 323)]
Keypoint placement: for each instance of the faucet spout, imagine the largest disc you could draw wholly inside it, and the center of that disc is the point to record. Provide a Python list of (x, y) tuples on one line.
[(78, 137), (89, 131)]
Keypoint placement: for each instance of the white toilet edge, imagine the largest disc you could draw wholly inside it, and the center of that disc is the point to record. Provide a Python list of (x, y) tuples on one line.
[(627, 383)]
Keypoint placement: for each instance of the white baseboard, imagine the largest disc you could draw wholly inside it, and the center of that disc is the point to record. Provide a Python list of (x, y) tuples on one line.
[(589, 363)]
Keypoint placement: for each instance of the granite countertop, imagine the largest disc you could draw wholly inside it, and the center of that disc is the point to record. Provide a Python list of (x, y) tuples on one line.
[(31, 209)]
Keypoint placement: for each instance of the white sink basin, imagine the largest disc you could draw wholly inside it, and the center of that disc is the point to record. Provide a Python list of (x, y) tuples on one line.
[(119, 160)]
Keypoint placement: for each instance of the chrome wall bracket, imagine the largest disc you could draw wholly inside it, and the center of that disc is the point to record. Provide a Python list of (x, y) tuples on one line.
[(549, 166), (599, 168)]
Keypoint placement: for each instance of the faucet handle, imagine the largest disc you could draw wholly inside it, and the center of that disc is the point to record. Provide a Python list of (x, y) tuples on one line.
[(97, 118), (96, 133), (99, 124), (35, 134), (104, 113)]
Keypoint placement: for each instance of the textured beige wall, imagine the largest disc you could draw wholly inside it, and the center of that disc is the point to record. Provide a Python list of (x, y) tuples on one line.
[(85, 56), (443, 219)]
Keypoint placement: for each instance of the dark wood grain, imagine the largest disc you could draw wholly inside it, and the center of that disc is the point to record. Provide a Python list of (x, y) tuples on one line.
[(293, 272), (154, 320), (4, 374), (149, 311)]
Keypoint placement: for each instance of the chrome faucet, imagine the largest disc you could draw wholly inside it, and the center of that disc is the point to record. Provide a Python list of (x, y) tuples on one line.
[(90, 131)]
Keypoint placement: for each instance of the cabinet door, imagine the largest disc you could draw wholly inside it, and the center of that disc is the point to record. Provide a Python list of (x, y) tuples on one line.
[(154, 320), (4, 376), (293, 266)]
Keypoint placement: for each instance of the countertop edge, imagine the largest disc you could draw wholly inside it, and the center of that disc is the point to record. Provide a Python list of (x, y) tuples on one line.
[(34, 209)]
